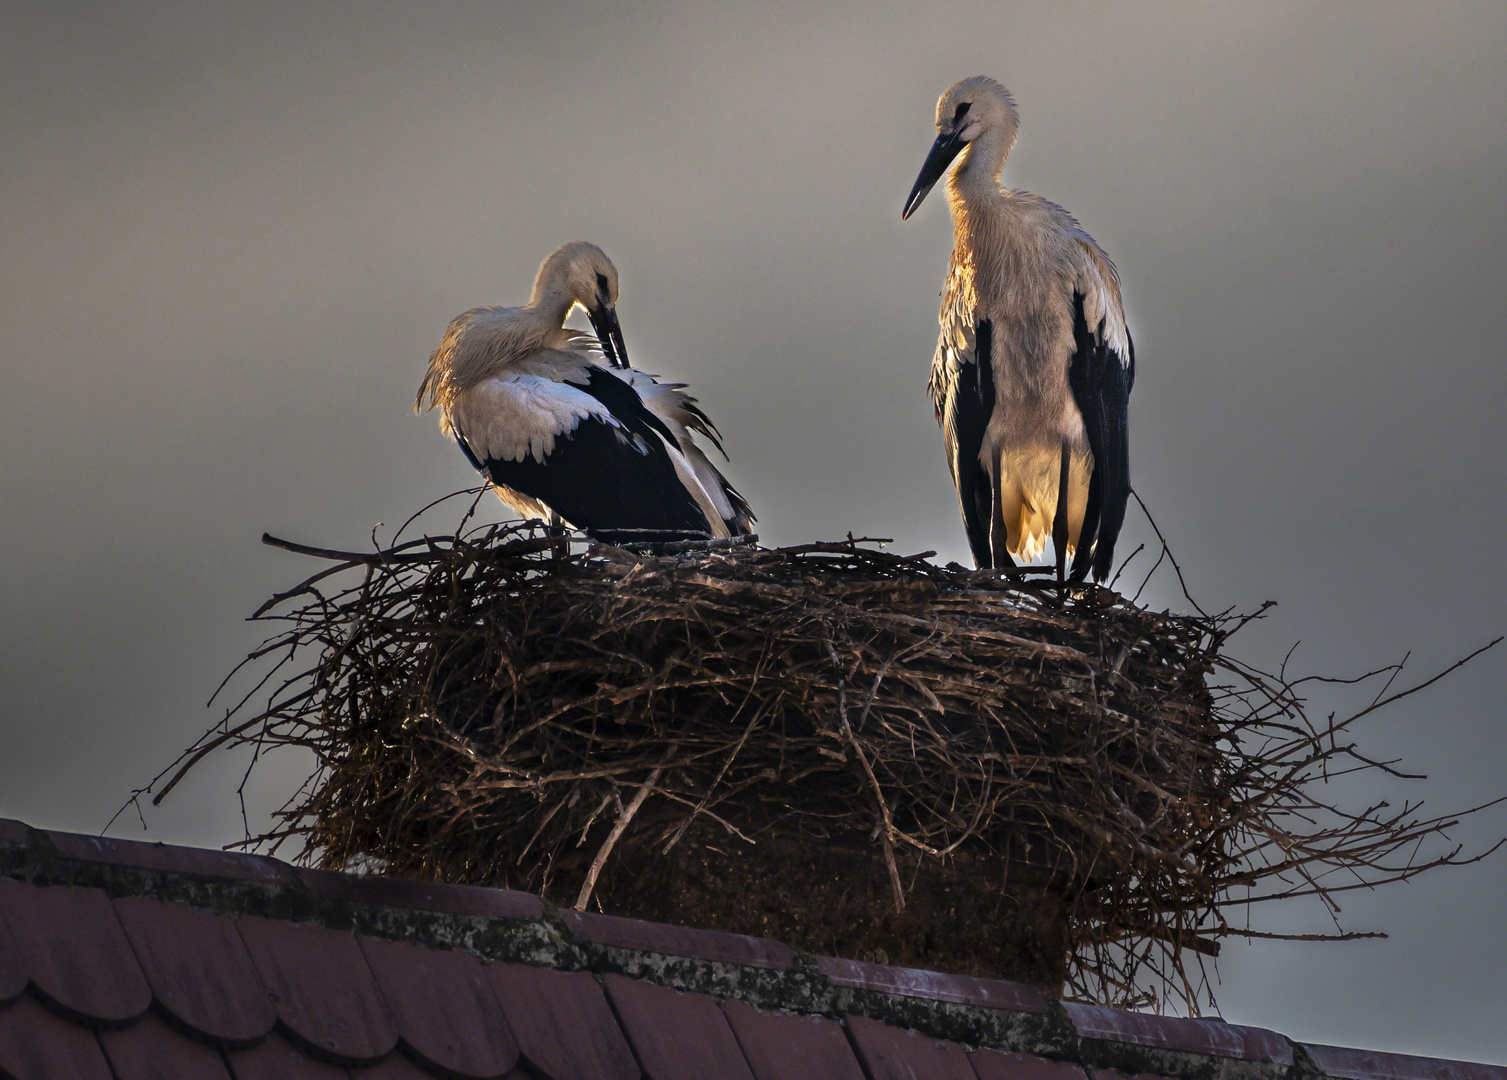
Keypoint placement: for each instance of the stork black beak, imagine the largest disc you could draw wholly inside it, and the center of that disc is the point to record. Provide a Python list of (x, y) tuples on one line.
[(943, 151), (603, 318)]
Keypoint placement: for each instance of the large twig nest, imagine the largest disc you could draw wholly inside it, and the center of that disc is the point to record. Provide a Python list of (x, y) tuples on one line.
[(507, 709)]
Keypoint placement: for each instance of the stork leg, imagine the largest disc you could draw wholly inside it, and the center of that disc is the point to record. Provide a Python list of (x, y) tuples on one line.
[(999, 535), (556, 527), (1059, 519)]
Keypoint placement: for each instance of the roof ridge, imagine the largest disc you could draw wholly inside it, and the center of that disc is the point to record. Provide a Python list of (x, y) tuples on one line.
[(501, 925)]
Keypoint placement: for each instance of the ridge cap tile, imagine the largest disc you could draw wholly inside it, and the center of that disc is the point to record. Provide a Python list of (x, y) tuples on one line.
[(35, 1042), (676, 1035), (670, 940), (451, 898), (326, 997), (1193, 1034), (998, 1065), (75, 952), (1349, 1063), (14, 833), (933, 985), (790, 1046), (150, 1050), (447, 1016), (155, 855), (275, 1058), (564, 1026), (891, 1053), (198, 969)]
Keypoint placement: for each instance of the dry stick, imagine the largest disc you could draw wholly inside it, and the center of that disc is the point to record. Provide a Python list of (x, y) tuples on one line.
[(612, 838)]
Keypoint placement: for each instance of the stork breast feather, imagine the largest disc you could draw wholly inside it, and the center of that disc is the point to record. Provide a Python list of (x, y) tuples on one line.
[(505, 417)]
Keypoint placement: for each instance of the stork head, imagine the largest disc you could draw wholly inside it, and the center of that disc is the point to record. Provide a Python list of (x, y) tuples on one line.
[(581, 273), (967, 112)]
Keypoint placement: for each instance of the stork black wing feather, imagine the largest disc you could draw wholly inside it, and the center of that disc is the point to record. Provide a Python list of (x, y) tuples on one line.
[(1101, 384), (971, 406), (617, 483)]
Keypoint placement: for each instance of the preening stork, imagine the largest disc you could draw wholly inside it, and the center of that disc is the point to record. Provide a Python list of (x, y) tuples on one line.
[(1032, 374), (558, 421)]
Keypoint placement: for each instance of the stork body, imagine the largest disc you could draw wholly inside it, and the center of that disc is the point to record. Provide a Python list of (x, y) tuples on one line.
[(558, 422), (1033, 369)]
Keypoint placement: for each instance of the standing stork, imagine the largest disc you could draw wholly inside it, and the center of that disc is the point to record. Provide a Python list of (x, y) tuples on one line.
[(534, 407), (1032, 374)]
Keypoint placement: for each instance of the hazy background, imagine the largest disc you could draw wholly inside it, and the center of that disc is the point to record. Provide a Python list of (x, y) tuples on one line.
[(231, 238)]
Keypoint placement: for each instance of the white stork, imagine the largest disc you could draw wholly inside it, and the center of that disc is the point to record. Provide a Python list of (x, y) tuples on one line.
[(534, 407), (1032, 374)]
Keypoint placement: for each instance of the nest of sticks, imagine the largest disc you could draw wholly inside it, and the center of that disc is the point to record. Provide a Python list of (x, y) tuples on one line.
[(508, 706)]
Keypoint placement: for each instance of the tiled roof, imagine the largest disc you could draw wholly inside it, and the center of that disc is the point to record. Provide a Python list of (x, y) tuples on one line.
[(127, 960)]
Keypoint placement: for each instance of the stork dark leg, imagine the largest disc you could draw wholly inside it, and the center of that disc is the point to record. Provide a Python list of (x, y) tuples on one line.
[(1059, 519), (999, 536)]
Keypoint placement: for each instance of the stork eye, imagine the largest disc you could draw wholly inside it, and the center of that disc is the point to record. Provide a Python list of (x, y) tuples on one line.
[(957, 117), (602, 284)]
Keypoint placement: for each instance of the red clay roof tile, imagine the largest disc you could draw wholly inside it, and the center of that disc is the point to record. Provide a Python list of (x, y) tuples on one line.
[(274, 1058), (395, 1066), (714, 945), (12, 970), (932, 985), (322, 988), (676, 1036), (37, 1045), (780, 1046), (563, 1024), (199, 970), (888, 1053), (1194, 1035), (150, 1050), (75, 952), (447, 1015), (992, 1065)]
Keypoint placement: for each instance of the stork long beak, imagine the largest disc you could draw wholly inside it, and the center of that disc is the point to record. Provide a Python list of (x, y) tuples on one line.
[(604, 322), (947, 147)]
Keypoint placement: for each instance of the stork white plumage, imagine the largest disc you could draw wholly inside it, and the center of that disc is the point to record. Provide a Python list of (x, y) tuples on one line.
[(558, 421), (1032, 374)]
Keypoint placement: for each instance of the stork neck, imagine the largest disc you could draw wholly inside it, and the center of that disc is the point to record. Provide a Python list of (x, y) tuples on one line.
[(978, 172), (551, 306)]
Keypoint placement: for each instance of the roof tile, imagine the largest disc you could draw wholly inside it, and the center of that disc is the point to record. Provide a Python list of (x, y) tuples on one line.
[(274, 1058), (395, 1066), (781, 1046), (199, 970), (992, 1065), (73, 948), (447, 1014), (150, 1050), (932, 985), (888, 1053), (1193, 1035), (676, 1036), (12, 970), (37, 1045), (423, 895), (713, 945), (563, 1024), (1371, 1065), (200, 862), (323, 989)]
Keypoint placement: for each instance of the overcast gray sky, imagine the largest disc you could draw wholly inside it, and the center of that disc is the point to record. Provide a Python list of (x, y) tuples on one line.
[(232, 235)]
